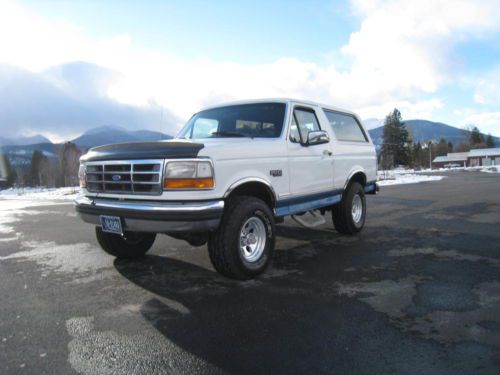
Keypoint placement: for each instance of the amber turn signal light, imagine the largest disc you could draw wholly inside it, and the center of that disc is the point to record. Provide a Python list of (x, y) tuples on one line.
[(188, 183)]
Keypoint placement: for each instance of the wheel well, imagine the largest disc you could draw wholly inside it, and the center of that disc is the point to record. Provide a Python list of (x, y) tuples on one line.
[(255, 189), (358, 177)]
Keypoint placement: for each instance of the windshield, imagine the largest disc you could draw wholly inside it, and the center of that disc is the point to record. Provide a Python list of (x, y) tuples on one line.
[(259, 120)]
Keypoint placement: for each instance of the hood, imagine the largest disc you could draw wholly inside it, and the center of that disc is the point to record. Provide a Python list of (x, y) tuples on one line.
[(144, 150)]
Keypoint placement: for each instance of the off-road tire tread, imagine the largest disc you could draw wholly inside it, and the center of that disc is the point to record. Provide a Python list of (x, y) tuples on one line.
[(341, 213), (224, 258)]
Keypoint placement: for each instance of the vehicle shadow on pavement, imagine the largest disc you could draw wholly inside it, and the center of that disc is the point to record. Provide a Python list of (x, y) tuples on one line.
[(243, 327), (324, 306)]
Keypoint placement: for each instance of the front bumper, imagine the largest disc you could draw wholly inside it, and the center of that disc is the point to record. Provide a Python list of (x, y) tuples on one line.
[(153, 216)]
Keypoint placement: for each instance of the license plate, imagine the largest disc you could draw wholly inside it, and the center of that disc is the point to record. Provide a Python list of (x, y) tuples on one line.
[(111, 224)]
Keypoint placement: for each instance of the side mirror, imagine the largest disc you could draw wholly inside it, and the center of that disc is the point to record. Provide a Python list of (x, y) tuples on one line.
[(317, 137)]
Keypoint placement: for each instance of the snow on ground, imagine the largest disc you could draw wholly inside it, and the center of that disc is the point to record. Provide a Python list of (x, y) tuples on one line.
[(407, 178), (411, 176), (40, 193), (404, 176), (18, 202), (492, 169), (441, 170)]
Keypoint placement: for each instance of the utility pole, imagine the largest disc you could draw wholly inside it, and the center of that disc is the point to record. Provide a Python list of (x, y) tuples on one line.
[(430, 155)]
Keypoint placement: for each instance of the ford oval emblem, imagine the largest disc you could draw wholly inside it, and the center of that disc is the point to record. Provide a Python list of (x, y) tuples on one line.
[(116, 177)]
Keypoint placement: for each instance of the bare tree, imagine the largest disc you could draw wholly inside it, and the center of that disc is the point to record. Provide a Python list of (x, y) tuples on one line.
[(69, 160)]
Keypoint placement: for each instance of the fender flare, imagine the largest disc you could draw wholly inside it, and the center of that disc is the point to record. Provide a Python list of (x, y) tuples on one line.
[(352, 173), (246, 180)]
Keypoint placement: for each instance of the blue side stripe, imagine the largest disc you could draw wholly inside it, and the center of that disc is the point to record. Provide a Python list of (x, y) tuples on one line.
[(309, 202), (308, 198)]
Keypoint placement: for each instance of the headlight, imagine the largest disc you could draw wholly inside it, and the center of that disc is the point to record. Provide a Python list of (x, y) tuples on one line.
[(188, 175), (82, 174)]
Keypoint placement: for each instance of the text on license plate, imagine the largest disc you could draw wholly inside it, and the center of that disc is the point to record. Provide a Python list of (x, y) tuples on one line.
[(111, 224)]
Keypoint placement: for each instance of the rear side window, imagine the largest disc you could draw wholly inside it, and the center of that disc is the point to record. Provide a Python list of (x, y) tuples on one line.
[(346, 127)]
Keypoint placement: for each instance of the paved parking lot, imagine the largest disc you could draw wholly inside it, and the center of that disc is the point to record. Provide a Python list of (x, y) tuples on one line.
[(418, 292)]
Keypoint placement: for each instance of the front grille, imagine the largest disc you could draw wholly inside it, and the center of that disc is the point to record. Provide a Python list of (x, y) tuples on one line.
[(125, 177)]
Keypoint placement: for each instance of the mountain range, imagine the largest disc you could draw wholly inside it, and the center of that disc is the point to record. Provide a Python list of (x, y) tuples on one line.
[(20, 149), (112, 134), (23, 141), (425, 131)]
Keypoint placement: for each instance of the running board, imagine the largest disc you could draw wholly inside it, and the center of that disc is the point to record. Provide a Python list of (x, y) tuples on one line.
[(318, 219)]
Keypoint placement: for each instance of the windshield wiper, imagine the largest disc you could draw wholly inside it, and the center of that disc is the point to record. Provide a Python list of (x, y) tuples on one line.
[(228, 134)]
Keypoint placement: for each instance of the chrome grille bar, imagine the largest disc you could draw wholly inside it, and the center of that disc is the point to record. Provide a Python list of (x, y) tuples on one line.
[(125, 177)]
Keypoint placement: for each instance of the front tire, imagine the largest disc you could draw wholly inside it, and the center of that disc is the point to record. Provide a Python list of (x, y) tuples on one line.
[(349, 215), (243, 245), (130, 245)]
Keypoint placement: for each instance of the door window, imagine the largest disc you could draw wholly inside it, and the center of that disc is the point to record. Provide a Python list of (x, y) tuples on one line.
[(303, 122)]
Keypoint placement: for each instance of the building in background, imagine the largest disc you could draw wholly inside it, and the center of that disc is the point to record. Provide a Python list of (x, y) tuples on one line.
[(484, 157), (481, 157), (451, 160)]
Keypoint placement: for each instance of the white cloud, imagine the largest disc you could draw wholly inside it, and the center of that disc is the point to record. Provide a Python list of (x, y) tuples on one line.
[(400, 51), (487, 90), (420, 109), (404, 44), (487, 122)]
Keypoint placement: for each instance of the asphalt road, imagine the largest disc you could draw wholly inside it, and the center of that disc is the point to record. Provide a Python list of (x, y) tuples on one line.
[(418, 292)]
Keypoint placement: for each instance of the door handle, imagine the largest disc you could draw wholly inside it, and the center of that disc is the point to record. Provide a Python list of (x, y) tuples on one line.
[(327, 153)]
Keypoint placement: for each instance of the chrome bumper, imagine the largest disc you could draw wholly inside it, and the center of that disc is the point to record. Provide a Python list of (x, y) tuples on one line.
[(157, 216)]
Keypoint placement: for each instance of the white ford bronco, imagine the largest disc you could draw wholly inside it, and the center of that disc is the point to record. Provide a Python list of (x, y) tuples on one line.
[(231, 173)]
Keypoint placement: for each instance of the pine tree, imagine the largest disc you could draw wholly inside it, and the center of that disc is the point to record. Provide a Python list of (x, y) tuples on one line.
[(450, 147), (475, 136), (441, 148), (490, 143), (396, 146)]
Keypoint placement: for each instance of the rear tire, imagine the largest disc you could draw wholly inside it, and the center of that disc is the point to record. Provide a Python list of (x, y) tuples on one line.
[(349, 215), (130, 245), (243, 245)]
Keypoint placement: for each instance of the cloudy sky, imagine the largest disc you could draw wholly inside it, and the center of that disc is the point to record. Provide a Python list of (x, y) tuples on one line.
[(70, 66)]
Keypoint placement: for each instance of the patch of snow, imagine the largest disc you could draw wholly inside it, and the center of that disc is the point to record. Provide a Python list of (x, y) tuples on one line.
[(408, 178), (437, 170), (11, 210), (426, 170), (492, 169), (41, 193)]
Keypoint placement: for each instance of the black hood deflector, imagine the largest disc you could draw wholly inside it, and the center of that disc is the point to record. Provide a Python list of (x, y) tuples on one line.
[(144, 150)]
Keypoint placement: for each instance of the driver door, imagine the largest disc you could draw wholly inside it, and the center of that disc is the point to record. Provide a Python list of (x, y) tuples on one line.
[(310, 166)]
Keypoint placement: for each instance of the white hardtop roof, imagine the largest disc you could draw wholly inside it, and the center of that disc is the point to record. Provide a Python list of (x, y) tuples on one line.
[(279, 100), (484, 152)]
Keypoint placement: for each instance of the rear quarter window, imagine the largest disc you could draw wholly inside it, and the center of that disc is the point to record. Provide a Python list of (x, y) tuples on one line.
[(345, 127)]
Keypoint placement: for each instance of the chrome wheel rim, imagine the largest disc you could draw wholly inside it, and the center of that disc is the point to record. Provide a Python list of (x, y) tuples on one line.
[(357, 208), (252, 239)]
